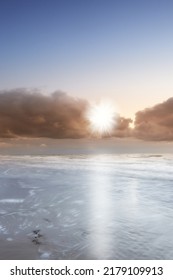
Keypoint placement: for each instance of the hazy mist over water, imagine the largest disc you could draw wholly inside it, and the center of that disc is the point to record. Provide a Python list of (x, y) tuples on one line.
[(86, 207)]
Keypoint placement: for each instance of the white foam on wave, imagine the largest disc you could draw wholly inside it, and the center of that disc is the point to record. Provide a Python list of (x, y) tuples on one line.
[(9, 239), (11, 200)]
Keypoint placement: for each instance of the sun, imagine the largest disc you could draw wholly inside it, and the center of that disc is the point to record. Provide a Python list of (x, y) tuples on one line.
[(102, 118)]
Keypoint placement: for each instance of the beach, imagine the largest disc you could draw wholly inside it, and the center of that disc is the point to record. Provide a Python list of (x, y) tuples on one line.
[(86, 207)]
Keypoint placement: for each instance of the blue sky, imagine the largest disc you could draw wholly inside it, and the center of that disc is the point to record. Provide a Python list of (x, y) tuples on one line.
[(92, 49)]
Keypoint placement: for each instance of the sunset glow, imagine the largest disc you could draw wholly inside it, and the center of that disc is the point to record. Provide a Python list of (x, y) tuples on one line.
[(102, 118)]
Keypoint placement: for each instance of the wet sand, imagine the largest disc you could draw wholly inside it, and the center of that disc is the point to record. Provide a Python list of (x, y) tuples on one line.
[(18, 250), (86, 207)]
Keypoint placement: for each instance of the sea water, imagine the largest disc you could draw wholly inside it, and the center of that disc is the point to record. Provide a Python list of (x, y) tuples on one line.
[(86, 207)]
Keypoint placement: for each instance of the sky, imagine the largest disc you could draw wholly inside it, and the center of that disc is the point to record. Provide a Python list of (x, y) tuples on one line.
[(91, 49), (59, 56)]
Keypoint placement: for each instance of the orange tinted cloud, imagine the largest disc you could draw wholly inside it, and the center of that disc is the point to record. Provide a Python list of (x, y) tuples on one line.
[(26, 113), (31, 114), (155, 123)]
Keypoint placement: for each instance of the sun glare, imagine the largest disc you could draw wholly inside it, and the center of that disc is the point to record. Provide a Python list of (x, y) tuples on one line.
[(102, 118)]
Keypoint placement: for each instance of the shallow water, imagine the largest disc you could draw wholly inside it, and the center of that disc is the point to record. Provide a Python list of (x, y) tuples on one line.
[(86, 207)]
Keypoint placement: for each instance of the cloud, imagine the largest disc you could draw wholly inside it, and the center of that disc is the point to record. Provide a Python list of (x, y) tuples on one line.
[(31, 114), (122, 128), (25, 113), (155, 123)]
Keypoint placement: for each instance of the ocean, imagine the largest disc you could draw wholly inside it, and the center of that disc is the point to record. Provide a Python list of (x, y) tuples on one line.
[(86, 207)]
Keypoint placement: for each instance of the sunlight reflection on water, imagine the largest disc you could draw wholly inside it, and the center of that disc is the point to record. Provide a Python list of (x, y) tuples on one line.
[(100, 213)]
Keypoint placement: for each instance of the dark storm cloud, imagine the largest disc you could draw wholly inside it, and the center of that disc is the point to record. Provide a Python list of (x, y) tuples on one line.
[(31, 114), (155, 123)]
